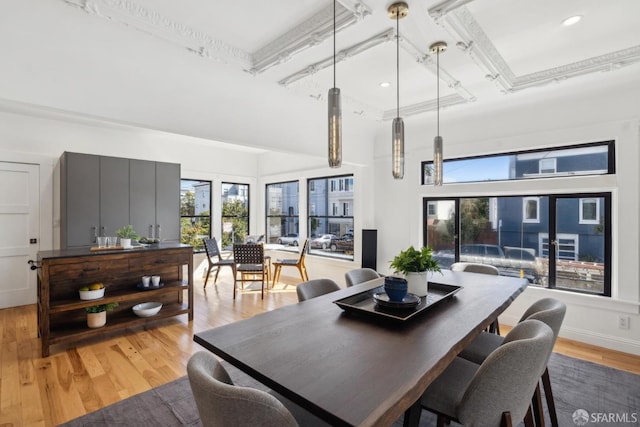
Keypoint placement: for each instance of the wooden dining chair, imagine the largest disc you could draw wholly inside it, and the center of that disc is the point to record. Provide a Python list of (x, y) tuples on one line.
[(215, 259), (548, 310), (250, 263), (297, 263), (315, 288), (221, 403), (360, 275), (498, 392)]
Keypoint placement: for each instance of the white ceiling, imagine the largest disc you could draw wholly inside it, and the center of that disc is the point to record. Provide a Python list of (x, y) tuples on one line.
[(257, 72)]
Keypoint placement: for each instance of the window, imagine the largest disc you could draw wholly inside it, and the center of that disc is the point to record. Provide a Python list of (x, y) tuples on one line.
[(558, 250), (235, 213), (530, 209), (547, 166), (195, 212), (432, 209), (330, 206), (589, 211), (586, 159), (283, 223)]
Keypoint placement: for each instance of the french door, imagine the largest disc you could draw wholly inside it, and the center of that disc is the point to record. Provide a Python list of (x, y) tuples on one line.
[(555, 241)]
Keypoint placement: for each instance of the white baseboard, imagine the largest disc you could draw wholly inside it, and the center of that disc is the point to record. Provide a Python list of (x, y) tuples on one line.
[(588, 337)]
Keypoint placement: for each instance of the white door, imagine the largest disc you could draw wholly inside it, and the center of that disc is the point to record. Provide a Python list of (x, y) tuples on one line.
[(19, 212)]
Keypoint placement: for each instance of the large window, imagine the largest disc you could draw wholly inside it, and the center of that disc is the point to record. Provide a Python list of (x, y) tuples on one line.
[(559, 250), (235, 213), (195, 212), (283, 223), (330, 207), (586, 159)]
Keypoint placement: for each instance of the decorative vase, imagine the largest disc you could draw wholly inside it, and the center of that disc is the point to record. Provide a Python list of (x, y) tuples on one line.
[(395, 288), (125, 243), (97, 320), (417, 283)]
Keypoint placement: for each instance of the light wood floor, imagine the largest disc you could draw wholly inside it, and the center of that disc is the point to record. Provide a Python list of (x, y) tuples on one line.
[(79, 379)]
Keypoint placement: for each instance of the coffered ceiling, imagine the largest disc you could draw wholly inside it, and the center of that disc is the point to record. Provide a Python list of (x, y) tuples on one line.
[(278, 54)]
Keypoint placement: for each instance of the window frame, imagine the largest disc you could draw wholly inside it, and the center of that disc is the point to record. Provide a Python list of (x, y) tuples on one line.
[(248, 207), (343, 183), (197, 247), (525, 211), (426, 166), (286, 215), (595, 221), (550, 250)]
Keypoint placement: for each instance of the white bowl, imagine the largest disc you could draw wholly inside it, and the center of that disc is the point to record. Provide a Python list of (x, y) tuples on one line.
[(147, 309), (87, 295)]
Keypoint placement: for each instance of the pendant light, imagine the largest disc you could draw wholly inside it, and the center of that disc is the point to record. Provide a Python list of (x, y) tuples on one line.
[(437, 48), (397, 11), (335, 110)]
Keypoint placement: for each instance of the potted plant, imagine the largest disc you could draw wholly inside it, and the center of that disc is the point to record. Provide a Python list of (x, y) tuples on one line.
[(126, 234), (97, 314), (414, 265)]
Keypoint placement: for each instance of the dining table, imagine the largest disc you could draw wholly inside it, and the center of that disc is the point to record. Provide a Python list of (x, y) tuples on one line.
[(354, 368)]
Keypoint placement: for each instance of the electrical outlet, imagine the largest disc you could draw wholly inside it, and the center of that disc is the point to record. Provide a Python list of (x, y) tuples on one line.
[(623, 322)]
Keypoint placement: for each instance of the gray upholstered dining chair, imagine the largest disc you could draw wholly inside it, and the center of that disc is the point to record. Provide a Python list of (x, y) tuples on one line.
[(473, 267), (360, 275), (215, 259), (547, 310), (315, 288), (498, 392), (221, 403)]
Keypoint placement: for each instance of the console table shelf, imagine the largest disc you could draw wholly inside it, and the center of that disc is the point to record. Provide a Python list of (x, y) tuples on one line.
[(61, 312)]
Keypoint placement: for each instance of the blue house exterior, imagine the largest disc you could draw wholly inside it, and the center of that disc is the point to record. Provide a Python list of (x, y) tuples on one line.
[(524, 221)]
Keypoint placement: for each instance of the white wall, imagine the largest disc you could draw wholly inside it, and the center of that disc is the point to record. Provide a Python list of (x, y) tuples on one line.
[(593, 117), (41, 137)]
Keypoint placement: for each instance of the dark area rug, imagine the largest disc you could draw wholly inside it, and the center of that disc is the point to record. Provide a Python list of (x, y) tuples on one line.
[(610, 398)]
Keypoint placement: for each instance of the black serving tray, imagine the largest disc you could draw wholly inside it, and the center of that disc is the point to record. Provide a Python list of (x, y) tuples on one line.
[(364, 303)]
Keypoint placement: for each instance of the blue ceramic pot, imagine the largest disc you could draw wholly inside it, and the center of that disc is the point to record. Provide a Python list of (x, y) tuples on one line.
[(395, 287)]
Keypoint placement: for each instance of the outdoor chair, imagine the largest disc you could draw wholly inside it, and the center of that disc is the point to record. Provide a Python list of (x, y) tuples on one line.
[(250, 262), (297, 263), (315, 288), (547, 310), (215, 259), (360, 275), (221, 403), (498, 392)]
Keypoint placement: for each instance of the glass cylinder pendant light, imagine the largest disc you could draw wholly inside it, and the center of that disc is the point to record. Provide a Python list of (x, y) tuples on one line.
[(335, 110), (397, 11), (437, 48)]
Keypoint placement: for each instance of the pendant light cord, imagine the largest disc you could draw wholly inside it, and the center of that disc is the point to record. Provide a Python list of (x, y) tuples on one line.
[(438, 91), (398, 62), (334, 44)]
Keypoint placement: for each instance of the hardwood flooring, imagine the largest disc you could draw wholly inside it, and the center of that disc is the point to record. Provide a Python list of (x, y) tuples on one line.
[(77, 379)]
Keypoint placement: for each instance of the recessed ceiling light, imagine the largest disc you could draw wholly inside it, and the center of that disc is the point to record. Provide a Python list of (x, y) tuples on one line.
[(385, 84), (571, 20)]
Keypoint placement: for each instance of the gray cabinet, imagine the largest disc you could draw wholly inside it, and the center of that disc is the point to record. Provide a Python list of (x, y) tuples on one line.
[(155, 199), (80, 199), (101, 194)]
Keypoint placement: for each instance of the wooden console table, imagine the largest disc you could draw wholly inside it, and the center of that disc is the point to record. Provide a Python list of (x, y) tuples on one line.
[(61, 273)]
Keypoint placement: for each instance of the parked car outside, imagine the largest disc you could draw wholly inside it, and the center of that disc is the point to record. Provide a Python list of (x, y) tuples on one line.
[(289, 239), (510, 261), (324, 241), (343, 244)]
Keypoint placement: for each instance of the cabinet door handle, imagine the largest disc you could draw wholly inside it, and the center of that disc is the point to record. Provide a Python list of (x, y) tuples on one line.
[(94, 231), (91, 269), (151, 231), (102, 231), (158, 229)]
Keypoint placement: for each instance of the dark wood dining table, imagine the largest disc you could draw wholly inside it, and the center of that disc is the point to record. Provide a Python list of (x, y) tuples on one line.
[(352, 370)]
